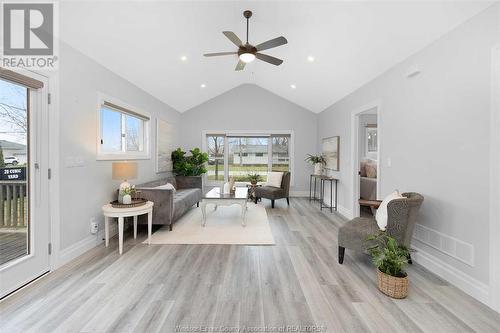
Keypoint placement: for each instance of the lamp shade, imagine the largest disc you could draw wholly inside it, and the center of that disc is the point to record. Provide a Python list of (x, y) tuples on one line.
[(124, 170)]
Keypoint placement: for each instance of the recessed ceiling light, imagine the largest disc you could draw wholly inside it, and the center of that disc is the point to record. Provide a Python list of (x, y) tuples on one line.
[(310, 59), (203, 85), (293, 86), (184, 58)]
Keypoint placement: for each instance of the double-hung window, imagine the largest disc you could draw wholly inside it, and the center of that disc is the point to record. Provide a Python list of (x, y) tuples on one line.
[(124, 133)]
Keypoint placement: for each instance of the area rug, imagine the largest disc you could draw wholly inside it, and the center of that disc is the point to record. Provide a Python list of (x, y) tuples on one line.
[(223, 227)]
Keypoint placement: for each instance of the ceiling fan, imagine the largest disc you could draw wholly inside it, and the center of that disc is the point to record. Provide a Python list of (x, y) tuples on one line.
[(247, 52)]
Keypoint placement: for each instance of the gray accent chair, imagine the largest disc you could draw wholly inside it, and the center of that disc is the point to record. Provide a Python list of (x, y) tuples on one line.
[(169, 206), (401, 221), (275, 193)]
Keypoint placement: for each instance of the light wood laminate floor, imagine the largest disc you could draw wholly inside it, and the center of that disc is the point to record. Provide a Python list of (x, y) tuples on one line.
[(298, 282)]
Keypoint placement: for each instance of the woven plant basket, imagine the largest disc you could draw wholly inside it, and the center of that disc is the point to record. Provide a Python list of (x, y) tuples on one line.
[(395, 287)]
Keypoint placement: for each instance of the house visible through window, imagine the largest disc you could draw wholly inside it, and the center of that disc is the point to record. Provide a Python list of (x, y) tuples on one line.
[(238, 156), (123, 132)]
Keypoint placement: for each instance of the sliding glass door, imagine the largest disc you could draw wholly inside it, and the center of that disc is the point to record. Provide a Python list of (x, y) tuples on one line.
[(238, 156), (248, 155)]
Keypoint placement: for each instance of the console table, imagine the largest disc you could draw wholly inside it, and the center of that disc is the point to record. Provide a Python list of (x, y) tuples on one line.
[(322, 181)]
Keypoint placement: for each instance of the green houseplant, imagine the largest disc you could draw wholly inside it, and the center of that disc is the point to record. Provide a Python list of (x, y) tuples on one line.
[(254, 178), (189, 165), (318, 161), (390, 258)]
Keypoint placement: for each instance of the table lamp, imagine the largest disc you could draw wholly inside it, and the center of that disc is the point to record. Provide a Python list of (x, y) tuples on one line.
[(124, 171)]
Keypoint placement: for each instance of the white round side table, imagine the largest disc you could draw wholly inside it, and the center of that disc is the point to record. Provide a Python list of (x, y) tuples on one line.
[(120, 213)]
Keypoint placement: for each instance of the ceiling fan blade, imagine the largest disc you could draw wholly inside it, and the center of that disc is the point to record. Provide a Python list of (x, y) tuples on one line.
[(271, 43), (219, 54), (269, 59), (240, 66), (233, 38)]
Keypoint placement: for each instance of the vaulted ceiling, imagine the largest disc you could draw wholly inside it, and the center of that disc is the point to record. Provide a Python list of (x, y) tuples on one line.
[(351, 42)]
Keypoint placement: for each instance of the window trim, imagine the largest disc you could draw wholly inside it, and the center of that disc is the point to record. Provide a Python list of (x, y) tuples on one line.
[(251, 133), (124, 108)]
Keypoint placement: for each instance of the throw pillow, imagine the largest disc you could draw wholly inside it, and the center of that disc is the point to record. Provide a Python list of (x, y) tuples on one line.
[(167, 186), (371, 170), (381, 215), (362, 168), (274, 179)]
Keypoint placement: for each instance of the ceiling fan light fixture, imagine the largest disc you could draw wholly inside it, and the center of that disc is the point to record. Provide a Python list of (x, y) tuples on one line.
[(247, 57)]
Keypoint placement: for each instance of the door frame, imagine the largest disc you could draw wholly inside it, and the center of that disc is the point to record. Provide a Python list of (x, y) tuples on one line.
[(494, 260), (50, 125), (377, 104)]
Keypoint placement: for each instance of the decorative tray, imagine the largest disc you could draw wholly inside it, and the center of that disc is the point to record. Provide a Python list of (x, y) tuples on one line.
[(135, 203)]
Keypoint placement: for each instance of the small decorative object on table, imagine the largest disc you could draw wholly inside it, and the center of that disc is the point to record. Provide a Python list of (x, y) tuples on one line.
[(127, 194), (229, 187), (390, 258), (254, 178), (318, 161)]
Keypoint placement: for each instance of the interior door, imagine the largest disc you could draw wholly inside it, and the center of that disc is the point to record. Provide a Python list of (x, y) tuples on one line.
[(24, 195)]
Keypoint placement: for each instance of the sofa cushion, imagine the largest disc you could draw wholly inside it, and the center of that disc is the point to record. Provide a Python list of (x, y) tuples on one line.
[(184, 199), (354, 233), (167, 186), (382, 214), (269, 192)]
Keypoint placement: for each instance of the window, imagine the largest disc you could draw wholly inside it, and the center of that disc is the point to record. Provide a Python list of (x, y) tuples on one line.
[(281, 153), (240, 155), (215, 150), (243, 159), (123, 133), (371, 139)]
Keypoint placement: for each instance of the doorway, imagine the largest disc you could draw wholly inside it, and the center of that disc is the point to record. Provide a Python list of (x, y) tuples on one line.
[(365, 138), (24, 195)]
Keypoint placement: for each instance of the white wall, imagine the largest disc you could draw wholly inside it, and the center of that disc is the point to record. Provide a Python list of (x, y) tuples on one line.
[(435, 129), (83, 190), (250, 107)]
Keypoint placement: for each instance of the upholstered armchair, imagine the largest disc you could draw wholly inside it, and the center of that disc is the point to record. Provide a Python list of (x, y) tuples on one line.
[(274, 193), (401, 220)]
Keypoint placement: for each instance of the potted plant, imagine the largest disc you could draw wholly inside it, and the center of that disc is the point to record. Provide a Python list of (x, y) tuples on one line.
[(127, 194), (390, 258), (254, 178), (189, 168), (318, 161)]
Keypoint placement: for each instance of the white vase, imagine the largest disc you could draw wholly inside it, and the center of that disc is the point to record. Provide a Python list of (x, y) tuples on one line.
[(127, 199), (318, 168)]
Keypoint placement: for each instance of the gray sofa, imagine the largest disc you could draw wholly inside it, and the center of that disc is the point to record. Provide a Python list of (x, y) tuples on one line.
[(169, 206)]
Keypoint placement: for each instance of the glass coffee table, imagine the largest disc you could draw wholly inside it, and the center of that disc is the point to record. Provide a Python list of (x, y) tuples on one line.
[(217, 198)]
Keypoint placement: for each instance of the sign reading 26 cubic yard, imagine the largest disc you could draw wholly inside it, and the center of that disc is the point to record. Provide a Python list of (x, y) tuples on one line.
[(29, 38), (13, 173)]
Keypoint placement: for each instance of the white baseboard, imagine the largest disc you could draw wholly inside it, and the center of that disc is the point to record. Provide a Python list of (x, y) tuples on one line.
[(459, 279), (84, 245), (347, 213)]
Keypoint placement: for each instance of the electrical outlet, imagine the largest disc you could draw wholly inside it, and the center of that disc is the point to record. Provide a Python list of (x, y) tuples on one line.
[(94, 227)]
